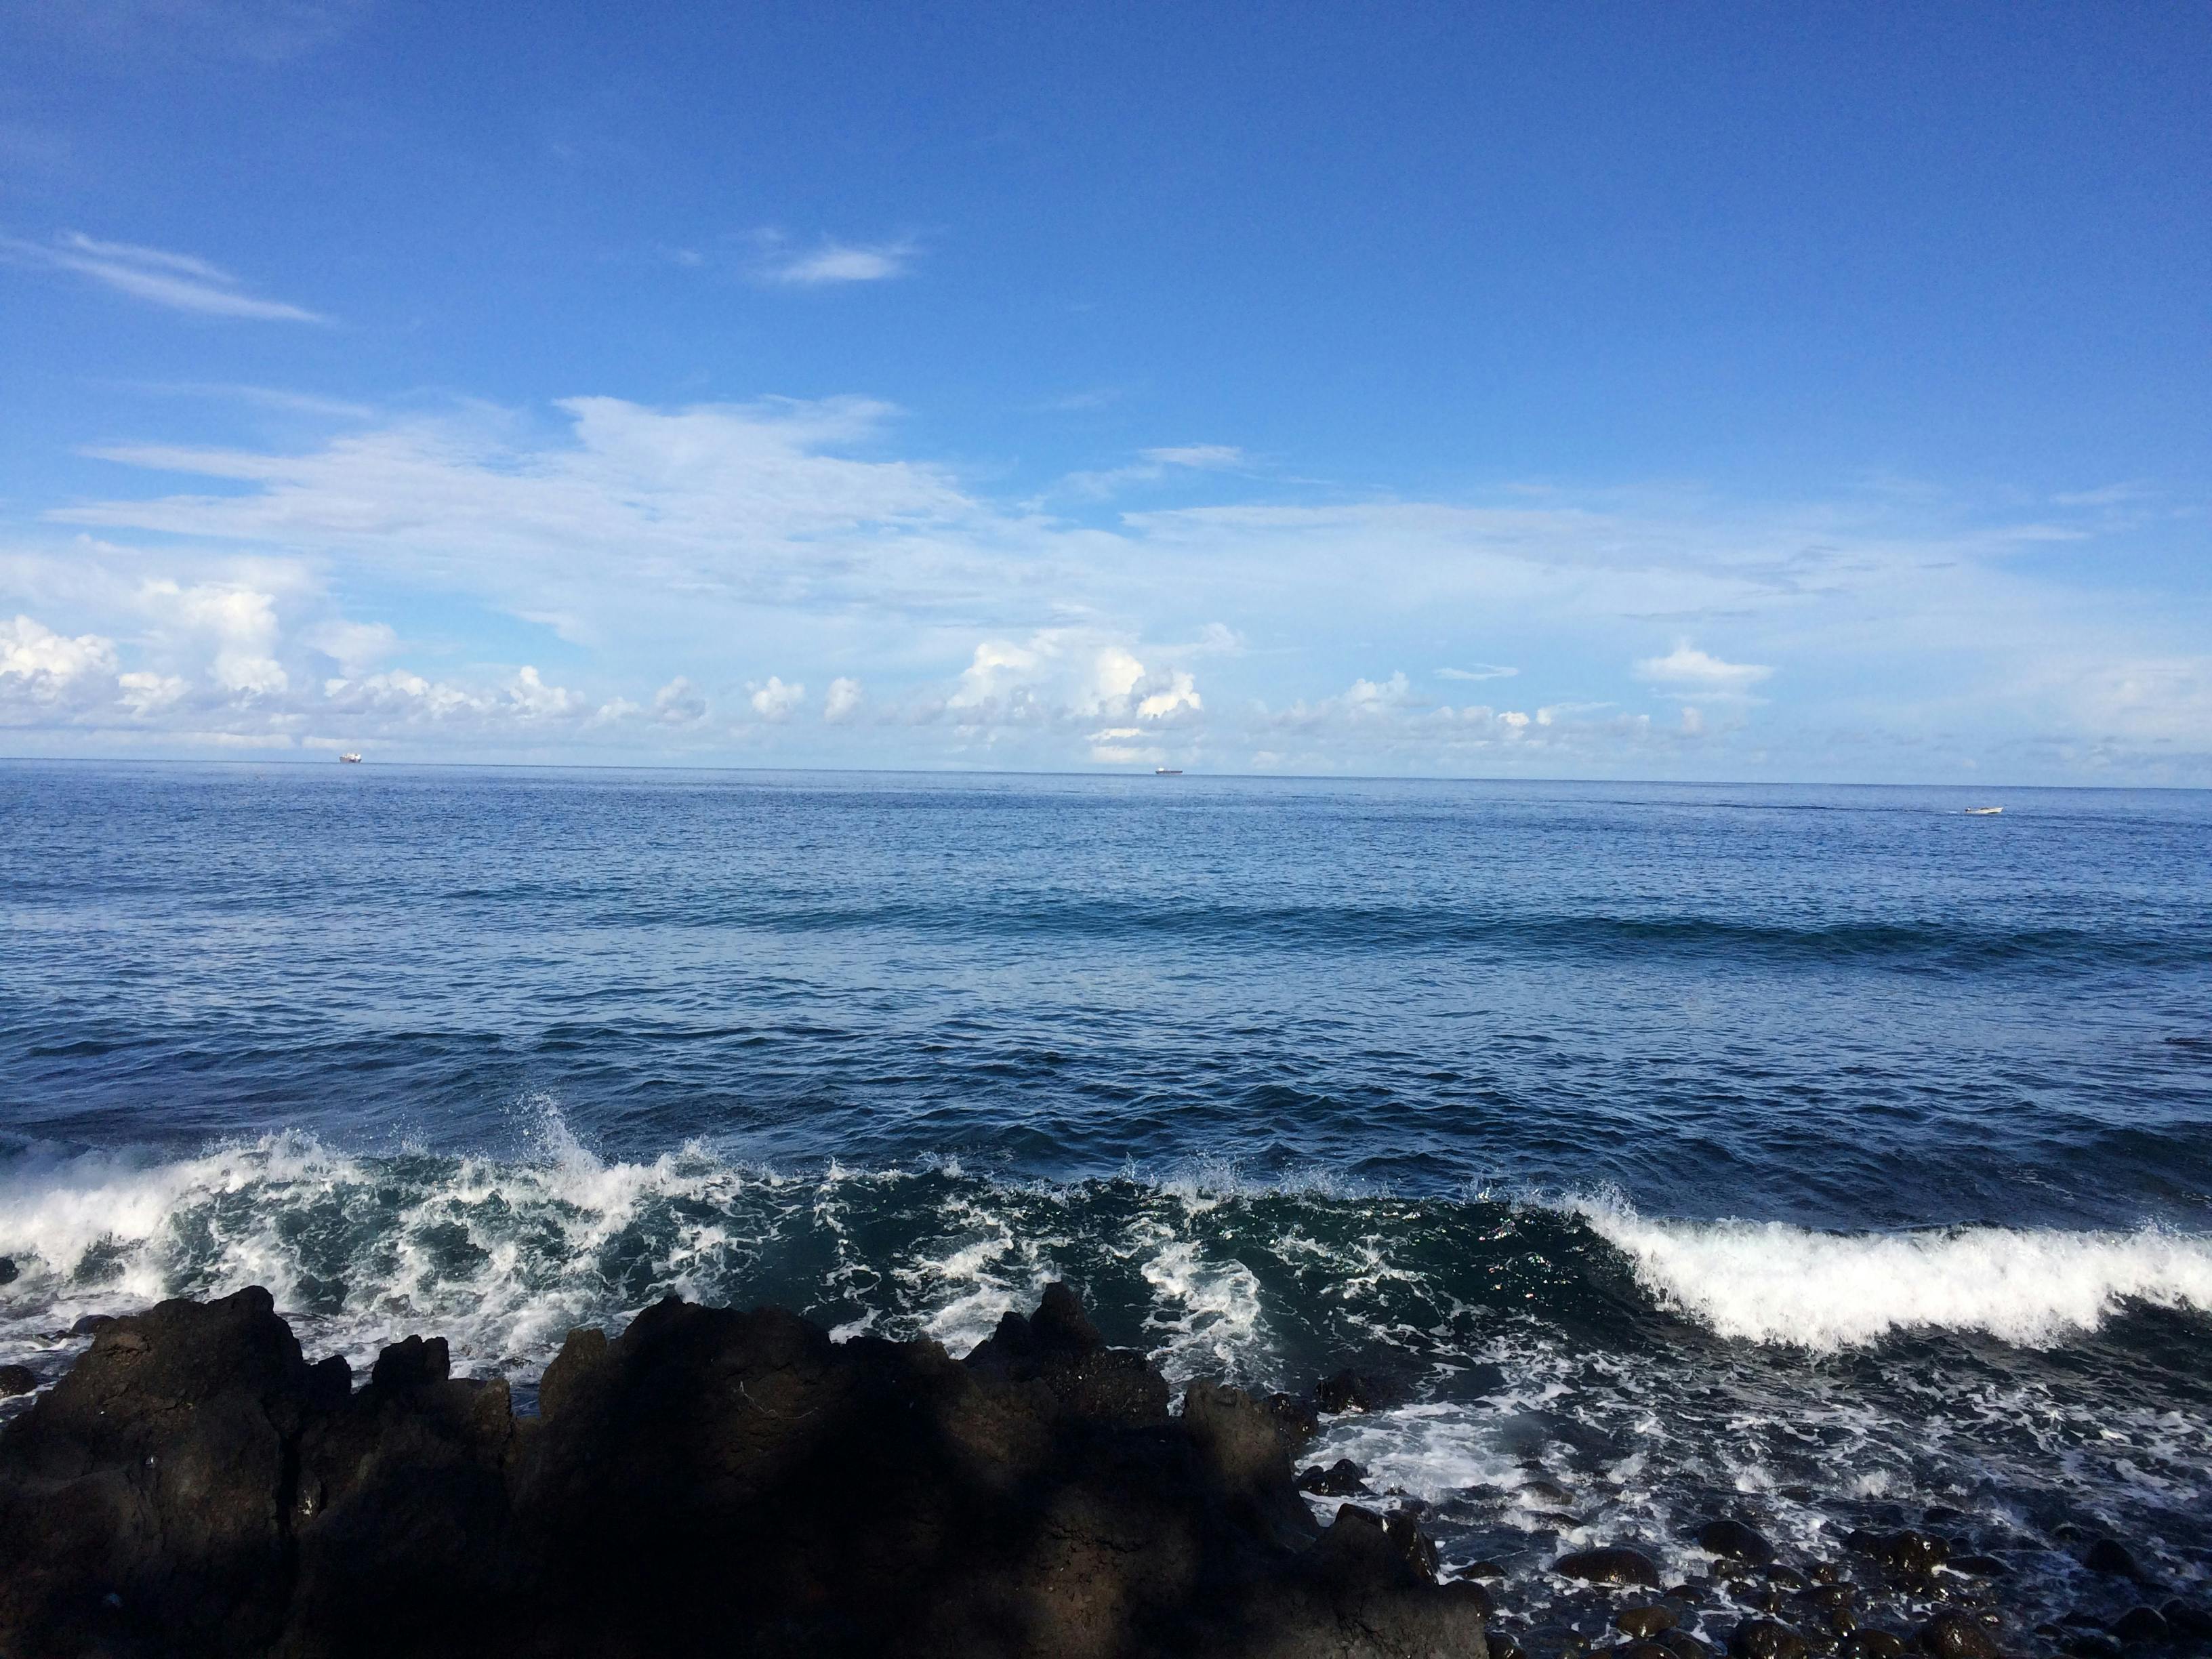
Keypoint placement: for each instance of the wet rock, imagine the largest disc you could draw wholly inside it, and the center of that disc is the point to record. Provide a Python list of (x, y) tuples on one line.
[(1942, 1514), (1294, 1420), (1950, 1636), (2187, 1619), (1342, 1479), (1482, 1570), (1787, 1578), (1979, 1566), (1554, 1642), (16, 1379), (1683, 1645), (2089, 1644), (1643, 1650), (2108, 1555), (1764, 1638), (1872, 1645), (1908, 1552), (193, 1487), (1685, 1592), (2142, 1625), (1468, 1592), (1735, 1542), (1645, 1622), (1502, 1645), (9, 1270), (1346, 1391), (92, 1324), (1609, 1567)]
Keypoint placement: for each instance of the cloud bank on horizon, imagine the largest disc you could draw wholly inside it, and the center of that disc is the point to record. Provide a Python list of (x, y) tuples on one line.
[(943, 498)]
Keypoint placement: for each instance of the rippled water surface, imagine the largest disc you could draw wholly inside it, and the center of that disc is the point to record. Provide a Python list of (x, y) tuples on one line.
[(1828, 1154)]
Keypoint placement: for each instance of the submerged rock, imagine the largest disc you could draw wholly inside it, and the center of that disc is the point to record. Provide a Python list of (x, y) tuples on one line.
[(1342, 1479), (1735, 1542), (1609, 1567), (709, 1480)]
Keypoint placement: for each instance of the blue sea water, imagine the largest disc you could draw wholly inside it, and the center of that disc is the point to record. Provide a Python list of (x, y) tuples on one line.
[(1828, 1153)]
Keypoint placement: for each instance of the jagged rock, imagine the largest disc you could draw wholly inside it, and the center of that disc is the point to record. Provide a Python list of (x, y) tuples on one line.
[(1346, 1391), (1294, 1420), (16, 1379), (709, 1480), (10, 1273), (1609, 1567), (1735, 1542)]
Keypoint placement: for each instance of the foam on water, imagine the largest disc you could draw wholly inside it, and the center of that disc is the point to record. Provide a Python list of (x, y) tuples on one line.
[(1769, 1282)]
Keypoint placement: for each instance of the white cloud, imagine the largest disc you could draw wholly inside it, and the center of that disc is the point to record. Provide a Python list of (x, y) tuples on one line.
[(240, 622), (838, 262), (178, 281), (774, 701), (844, 699), (1689, 671), (1206, 458), (47, 662), (677, 704), (535, 699), (1481, 671)]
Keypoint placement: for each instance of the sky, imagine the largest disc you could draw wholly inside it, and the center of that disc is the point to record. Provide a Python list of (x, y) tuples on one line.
[(1711, 391)]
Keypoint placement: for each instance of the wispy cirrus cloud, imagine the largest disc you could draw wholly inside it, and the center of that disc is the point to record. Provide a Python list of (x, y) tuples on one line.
[(829, 263), (1481, 671), (181, 281)]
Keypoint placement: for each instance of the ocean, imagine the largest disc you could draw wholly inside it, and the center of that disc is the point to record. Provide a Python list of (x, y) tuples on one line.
[(1827, 1156)]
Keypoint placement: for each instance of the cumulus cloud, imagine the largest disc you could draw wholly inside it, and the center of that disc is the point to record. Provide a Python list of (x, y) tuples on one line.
[(1685, 670), (178, 281), (46, 664), (774, 701), (844, 699)]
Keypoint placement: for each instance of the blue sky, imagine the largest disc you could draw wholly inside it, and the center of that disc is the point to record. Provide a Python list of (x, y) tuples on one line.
[(1722, 392)]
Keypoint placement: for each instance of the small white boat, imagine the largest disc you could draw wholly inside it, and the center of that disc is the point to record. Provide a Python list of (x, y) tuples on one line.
[(1984, 811), (1167, 771), (350, 760)]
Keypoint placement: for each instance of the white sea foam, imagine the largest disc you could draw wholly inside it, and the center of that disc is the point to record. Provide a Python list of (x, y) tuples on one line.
[(1770, 1282)]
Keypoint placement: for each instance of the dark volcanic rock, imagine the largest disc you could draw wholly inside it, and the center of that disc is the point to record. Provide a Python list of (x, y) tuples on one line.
[(1948, 1636), (2187, 1617), (10, 1273), (1646, 1623), (1342, 1479), (1347, 1391), (1609, 1567), (1908, 1552), (1872, 1645), (1979, 1566), (92, 1324), (16, 1379), (1294, 1420), (709, 1480), (1762, 1638), (2107, 1555), (1736, 1541), (2142, 1625)]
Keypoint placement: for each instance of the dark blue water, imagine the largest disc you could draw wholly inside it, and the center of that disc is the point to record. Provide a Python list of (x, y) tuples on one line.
[(1827, 1148)]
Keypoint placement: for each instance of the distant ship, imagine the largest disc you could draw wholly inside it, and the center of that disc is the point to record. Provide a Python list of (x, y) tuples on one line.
[(1984, 811), (1167, 771), (350, 760)]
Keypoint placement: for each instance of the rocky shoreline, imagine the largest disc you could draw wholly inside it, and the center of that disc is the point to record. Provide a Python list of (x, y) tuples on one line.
[(717, 1481)]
